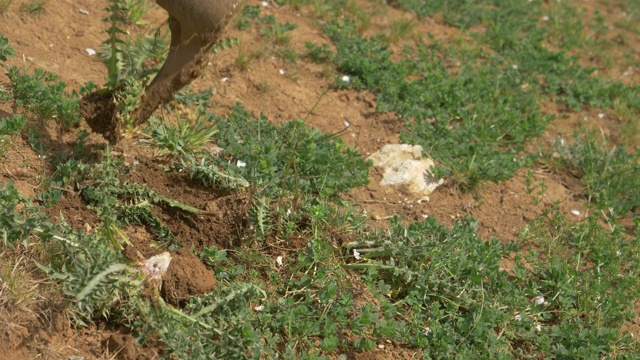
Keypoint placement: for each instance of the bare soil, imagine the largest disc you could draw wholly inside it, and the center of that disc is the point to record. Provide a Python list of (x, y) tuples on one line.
[(57, 39)]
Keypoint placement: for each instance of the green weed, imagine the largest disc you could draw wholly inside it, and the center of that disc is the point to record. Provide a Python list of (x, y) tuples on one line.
[(608, 171), (34, 7), (291, 157), (5, 49), (186, 138), (44, 95)]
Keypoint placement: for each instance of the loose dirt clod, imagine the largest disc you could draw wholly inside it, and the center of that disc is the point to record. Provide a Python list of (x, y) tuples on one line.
[(196, 25)]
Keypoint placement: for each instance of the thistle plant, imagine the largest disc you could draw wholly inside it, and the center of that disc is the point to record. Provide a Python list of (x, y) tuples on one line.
[(117, 17)]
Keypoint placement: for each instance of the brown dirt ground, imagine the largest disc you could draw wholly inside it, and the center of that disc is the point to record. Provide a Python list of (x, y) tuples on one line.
[(56, 40)]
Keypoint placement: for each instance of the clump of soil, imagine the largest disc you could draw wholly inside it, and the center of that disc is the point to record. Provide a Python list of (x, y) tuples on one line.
[(99, 110), (186, 277)]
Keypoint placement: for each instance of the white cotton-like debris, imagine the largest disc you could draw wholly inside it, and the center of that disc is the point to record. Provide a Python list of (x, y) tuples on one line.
[(156, 266), (90, 51), (346, 78), (241, 163), (356, 254), (539, 300), (279, 260), (575, 212)]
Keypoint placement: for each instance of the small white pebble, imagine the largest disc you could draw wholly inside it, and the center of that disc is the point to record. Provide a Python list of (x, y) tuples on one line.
[(575, 212), (90, 51), (601, 115), (346, 123), (265, 3), (225, 79), (281, 72)]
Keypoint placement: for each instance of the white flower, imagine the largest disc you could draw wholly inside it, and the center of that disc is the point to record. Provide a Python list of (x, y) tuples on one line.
[(539, 300), (346, 78), (90, 51), (426, 331), (356, 254), (241, 163), (258, 308)]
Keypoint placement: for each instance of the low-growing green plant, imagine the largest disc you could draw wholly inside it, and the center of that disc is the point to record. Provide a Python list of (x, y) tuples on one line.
[(187, 137), (12, 125), (291, 157), (201, 99), (44, 95), (399, 30), (608, 171), (5, 49), (34, 7), (249, 14), (319, 54), (287, 54), (279, 34)]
